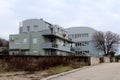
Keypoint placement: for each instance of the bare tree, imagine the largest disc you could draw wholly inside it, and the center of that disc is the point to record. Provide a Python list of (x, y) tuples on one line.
[(107, 42), (4, 47), (4, 43)]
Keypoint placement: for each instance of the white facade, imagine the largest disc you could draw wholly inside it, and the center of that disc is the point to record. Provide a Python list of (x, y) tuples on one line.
[(82, 36)]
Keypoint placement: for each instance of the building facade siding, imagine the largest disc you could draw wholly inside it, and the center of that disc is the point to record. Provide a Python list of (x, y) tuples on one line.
[(84, 45), (38, 37)]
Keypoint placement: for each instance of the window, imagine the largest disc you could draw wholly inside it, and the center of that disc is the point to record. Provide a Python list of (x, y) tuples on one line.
[(87, 43), (86, 35), (35, 26), (75, 35), (72, 36), (17, 41), (76, 44), (83, 43), (35, 51), (83, 35), (28, 28), (58, 30), (86, 51), (25, 41), (12, 39), (34, 41)]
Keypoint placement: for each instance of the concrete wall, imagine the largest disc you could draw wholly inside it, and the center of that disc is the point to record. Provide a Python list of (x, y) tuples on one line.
[(106, 59), (119, 60), (94, 60), (113, 59)]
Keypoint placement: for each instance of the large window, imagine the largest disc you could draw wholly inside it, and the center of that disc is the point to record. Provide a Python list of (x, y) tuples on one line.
[(35, 27), (28, 28), (85, 43), (34, 40), (79, 35), (25, 41), (78, 53), (17, 41)]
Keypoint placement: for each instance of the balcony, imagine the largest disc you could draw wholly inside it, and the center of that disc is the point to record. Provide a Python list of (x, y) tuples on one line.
[(51, 45), (46, 32), (49, 33)]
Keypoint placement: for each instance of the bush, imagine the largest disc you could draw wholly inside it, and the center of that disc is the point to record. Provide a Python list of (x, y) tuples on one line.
[(35, 63)]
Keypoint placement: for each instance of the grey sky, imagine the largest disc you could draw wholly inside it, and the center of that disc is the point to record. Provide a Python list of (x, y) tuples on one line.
[(100, 14)]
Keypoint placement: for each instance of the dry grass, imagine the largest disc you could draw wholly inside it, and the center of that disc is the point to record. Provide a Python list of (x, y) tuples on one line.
[(58, 69)]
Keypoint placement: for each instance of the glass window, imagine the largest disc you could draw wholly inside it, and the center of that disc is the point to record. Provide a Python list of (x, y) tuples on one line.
[(83, 35), (72, 36), (87, 43), (34, 41), (86, 35), (75, 35), (86, 51), (58, 30), (17, 41), (28, 28), (78, 35), (24, 40), (35, 26), (78, 44), (69, 36), (75, 44)]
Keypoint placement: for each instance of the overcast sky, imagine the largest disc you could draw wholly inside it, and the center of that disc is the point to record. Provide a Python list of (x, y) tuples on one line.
[(99, 14)]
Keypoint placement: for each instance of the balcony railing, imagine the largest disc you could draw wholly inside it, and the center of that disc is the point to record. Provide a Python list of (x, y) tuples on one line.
[(57, 34), (51, 45), (49, 32)]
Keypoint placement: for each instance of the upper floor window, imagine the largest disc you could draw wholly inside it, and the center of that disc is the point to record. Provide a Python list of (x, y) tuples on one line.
[(24, 40), (17, 41), (35, 26), (85, 35), (28, 28), (34, 40), (85, 43), (79, 35), (58, 29)]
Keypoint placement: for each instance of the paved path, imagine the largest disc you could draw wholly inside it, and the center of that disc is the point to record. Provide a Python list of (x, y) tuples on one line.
[(106, 71)]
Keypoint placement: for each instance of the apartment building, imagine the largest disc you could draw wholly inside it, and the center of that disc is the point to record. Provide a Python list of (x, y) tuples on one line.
[(39, 37), (84, 45)]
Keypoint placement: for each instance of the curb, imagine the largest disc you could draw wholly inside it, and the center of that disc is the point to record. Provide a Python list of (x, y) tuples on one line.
[(65, 73)]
